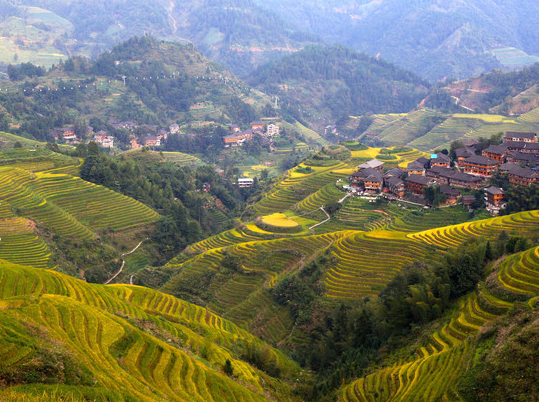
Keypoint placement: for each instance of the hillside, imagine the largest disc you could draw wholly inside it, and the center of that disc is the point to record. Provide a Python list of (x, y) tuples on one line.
[(508, 93), (125, 343), (429, 129), (287, 268), (323, 84), (431, 38), (149, 85), (238, 33), (346, 290)]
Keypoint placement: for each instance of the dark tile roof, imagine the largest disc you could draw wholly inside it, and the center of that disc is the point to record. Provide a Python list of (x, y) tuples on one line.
[(520, 156), (441, 158), (496, 149), (395, 172), (464, 152), (465, 177), (513, 145), (366, 172), (507, 167), (522, 172), (375, 177), (445, 189), (394, 181), (468, 142), (442, 171), (480, 160), (416, 165), (417, 179), (494, 190), (515, 134)]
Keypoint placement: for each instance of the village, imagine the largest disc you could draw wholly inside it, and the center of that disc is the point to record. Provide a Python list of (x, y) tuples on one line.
[(517, 157), (155, 136)]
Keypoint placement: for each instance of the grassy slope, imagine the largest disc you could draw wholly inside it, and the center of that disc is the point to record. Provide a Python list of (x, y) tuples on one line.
[(432, 374)]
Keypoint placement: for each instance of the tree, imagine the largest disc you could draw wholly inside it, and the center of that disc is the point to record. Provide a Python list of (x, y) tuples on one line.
[(93, 148), (227, 368), (17, 145)]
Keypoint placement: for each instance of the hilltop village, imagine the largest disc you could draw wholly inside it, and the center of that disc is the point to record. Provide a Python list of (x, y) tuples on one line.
[(448, 176), (140, 136)]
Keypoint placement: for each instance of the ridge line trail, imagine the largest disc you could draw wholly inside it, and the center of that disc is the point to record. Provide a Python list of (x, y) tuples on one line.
[(123, 262)]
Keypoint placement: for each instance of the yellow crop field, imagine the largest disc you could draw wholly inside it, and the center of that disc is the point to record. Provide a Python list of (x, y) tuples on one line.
[(487, 118), (366, 153), (279, 220), (431, 373), (153, 356)]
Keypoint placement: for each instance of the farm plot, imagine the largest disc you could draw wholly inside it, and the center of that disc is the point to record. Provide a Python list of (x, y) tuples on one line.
[(367, 261), (431, 375), (87, 319), (296, 186), (95, 206), (68, 205), (238, 293), (522, 224)]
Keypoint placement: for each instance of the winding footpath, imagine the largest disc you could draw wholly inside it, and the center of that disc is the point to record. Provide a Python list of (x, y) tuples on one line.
[(318, 224), (123, 263)]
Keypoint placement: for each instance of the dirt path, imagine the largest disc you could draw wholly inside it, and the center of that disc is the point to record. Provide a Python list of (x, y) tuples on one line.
[(123, 263), (324, 221)]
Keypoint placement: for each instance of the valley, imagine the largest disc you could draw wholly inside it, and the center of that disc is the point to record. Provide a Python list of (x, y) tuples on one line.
[(220, 201)]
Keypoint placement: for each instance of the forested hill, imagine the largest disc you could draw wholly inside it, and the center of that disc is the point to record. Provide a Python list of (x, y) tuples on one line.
[(165, 83), (335, 81)]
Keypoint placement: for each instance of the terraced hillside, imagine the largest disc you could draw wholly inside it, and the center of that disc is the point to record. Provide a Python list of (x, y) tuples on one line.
[(130, 342), (432, 373), (234, 278), (368, 243), (427, 130), (68, 205), (297, 185)]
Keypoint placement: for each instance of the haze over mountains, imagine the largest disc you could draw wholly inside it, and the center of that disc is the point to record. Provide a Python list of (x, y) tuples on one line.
[(434, 39)]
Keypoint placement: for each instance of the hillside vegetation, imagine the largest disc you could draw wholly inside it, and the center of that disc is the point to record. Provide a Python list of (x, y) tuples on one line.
[(433, 39), (429, 129), (332, 82), (370, 298), (238, 33)]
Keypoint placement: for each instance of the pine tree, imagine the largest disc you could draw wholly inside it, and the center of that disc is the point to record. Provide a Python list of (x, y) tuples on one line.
[(227, 368)]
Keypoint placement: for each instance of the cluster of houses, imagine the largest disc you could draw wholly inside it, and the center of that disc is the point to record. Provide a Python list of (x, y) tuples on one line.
[(153, 138), (517, 157), (238, 137)]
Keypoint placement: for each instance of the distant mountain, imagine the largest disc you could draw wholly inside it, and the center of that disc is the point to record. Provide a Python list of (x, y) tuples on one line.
[(239, 33), (322, 84), (433, 38)]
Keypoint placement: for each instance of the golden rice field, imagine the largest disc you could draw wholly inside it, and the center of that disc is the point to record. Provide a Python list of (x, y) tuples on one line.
[(136, 342), (278, 220), (68, 205)]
